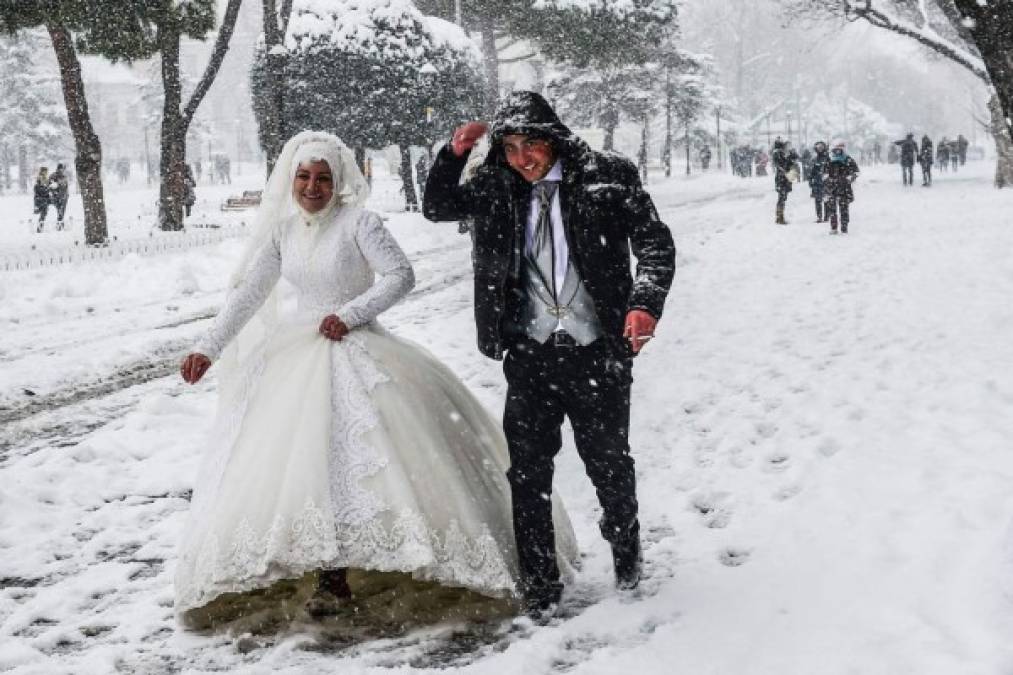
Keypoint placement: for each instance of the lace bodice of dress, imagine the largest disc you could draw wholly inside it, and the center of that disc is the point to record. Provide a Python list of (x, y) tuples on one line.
[(333, 268)]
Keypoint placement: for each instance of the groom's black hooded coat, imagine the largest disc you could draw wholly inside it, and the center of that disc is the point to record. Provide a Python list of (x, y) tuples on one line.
[(606, 214)]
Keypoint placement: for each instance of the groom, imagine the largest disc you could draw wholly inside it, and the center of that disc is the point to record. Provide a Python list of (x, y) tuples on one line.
[(554, 223)]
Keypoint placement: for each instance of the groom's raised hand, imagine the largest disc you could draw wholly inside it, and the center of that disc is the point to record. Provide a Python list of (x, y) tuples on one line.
[(465, 137)]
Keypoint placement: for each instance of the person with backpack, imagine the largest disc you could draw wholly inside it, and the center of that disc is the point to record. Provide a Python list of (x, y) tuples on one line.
[(838, 175)]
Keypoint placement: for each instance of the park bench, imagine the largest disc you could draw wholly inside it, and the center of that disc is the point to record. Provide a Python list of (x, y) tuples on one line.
[(249, 200)]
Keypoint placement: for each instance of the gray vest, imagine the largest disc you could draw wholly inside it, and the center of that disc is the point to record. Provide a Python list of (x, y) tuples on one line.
[(573, 308)]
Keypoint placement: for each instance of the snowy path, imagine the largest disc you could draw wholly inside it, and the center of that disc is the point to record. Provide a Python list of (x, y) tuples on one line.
[(821, 430)]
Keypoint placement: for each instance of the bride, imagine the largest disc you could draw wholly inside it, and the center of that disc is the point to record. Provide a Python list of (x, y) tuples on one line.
[(338, 445)]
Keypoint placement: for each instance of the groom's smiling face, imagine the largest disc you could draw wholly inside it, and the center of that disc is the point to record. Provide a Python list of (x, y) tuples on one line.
[(531, 157)]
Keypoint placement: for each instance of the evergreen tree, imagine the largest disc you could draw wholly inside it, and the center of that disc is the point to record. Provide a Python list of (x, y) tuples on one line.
[(107, 27), (603, 34), (32, 120), (374, 73), (165, 22)]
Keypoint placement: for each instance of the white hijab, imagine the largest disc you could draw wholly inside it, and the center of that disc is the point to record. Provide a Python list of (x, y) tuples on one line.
[(279, 209)]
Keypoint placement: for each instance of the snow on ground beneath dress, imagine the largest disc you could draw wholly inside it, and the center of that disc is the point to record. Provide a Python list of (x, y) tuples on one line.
[(822, 432)]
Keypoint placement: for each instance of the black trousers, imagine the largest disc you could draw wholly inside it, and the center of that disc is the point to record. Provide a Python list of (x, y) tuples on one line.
[(837, 203), (544, 384)]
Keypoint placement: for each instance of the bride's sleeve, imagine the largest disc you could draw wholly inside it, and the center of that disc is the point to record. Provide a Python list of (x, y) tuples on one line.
[(389, 262), (243, 301)]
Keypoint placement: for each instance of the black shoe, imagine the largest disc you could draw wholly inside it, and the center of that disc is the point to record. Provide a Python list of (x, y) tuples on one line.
[(844, 229), (540, 602), (628, 561), (332, 595)]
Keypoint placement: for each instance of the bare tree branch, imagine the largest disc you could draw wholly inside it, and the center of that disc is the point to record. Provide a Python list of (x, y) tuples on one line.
[(517, 59), (927, 37), (217, 56), (286, 14)]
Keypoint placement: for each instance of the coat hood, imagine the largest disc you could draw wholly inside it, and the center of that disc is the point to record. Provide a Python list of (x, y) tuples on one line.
[(526, 112)]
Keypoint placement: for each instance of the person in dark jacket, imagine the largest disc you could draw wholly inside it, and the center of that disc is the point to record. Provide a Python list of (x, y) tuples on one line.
[(926, 158), (189, 189), (943, 154), (806, 162), (908, 152), (553, 226), (819, 160), (59, 193), (785, 162), (42, 197), (838, 175), (962, 149), (705, 157)]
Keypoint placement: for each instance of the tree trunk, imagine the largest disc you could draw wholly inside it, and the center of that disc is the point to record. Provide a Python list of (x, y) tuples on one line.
[(360, 158), (490, 59), (992, 30), (642, 155), (172, 191), (667, 154), (411, 199), (687, 148), (5, 170), (88, 160), (275, 27), (609, 122), (24, 171), (274, 133), (1003, 146)]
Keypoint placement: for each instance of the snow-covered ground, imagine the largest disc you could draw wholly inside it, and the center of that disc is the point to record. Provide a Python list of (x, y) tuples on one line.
[(823, 432)]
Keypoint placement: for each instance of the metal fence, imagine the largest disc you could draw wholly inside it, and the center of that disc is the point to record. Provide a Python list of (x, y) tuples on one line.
[(157, 242)]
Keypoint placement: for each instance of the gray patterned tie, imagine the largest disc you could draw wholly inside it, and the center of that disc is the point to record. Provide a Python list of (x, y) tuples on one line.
[(542, 245)]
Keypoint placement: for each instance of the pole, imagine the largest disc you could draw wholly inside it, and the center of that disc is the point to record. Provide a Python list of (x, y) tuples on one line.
[(719, 138), (147, 156), (768, 130), (687, 147), (458, 13), (668, 122)]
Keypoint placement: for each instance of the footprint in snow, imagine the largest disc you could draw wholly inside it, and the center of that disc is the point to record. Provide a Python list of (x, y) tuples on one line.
[(778, 462), (715, 514), (734, 557)]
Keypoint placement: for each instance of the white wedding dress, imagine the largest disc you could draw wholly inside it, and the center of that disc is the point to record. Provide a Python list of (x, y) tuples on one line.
[(365, 453)]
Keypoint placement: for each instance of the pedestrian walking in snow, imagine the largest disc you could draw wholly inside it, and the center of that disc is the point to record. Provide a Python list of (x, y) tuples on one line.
[(962, 149), (954, 156), (422, 172), (786, 172), (943, 154), (806, 161), (838, 175), (553, 226), (339, 445), (926, 157), (908, 152), (761, 160), (705, 157), (820, 158), (59, 193), (190, 194), (42, 197)]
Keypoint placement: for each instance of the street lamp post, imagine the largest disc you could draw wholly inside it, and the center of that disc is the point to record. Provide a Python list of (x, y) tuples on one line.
[(239, 144), (428, 74)]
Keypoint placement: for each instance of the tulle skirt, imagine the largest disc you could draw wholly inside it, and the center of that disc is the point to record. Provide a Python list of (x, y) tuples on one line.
[(366, 453)]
